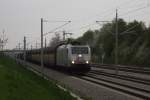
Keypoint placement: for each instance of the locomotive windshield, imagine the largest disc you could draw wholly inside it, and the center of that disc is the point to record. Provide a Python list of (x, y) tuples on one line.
[(79, 50)]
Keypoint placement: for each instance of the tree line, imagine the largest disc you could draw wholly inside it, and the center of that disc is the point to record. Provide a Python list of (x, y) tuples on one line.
[(133, 43), (3, 40)]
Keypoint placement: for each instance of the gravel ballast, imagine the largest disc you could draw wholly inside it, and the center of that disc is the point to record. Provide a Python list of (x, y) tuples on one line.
[(83, 88)]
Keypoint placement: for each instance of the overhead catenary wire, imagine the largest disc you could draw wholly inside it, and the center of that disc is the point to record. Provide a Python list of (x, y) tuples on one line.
[(128, 30), (52, 31), (57, 28), (130, 5), (107, 12), (105, 15), (85, 26), (135, 10), (82, 27), (56, 21)]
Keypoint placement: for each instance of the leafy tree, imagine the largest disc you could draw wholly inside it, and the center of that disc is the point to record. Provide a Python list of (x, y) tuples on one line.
[(87, 38), (55, 40), (134, 42), (3, 41)]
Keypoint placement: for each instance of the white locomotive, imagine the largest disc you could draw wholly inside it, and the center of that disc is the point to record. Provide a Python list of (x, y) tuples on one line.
[(73, 56), (62, 56)]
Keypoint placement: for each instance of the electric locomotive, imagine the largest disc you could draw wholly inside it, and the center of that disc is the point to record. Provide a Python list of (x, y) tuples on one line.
[(69, 56), (73, 56)]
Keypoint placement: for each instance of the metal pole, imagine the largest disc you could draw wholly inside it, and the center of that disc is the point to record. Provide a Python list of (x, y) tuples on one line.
[(42, 46), (31, 47), (64, 35), (3, 40), (19, 47), (116, 42), (45, 43), (36, 44), (24, 49)]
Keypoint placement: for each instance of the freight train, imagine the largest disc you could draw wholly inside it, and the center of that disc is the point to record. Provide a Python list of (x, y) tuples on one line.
[(63, 55)]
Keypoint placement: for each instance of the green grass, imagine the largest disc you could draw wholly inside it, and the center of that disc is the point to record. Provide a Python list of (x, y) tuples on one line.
[(17, 83)]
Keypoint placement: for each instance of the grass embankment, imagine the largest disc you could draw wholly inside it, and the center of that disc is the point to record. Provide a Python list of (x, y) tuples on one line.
[(17, 83)]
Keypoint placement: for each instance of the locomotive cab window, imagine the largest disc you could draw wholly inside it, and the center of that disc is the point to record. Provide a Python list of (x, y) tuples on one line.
[(79, 50)]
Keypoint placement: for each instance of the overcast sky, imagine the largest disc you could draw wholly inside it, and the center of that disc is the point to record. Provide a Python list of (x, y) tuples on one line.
[(21, 18)]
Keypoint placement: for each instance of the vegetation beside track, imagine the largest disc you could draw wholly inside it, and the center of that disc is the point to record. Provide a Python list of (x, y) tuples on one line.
[(17, 83), (133, 43)]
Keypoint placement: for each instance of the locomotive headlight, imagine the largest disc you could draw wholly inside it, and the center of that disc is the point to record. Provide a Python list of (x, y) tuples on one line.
[(80, 55), (87, 62), (72, 62)]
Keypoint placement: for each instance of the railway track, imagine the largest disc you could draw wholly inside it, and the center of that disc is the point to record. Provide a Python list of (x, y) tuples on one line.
[(124, 77), (99, 77), (123, 68), (129, 85)]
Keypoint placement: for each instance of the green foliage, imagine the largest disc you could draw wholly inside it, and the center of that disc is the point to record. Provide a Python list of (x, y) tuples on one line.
[(87, 38), (134, 42), (17, 83)]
